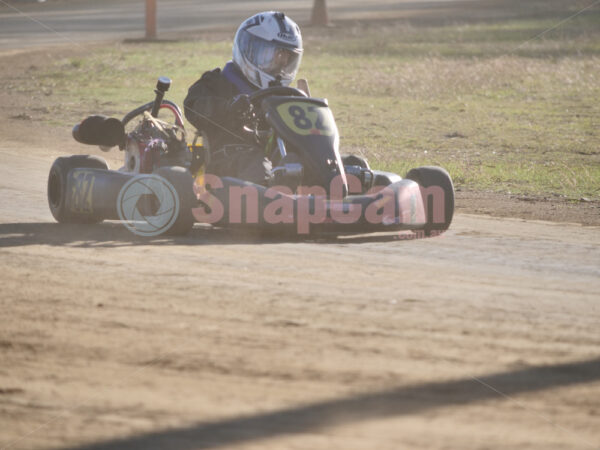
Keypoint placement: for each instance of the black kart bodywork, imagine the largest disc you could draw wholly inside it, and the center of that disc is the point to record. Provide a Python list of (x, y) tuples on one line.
[(164, 186)]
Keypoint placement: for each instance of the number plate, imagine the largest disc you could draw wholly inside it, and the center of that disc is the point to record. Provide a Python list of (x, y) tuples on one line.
[(307, 119)]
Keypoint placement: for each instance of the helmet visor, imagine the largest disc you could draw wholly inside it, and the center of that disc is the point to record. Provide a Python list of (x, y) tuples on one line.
[(275, 59)]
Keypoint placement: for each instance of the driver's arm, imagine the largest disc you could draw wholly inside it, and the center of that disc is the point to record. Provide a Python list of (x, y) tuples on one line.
[(206, 103)]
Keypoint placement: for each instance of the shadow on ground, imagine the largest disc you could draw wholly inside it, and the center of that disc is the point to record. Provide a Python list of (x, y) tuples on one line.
[(403, 400), (112, 234)]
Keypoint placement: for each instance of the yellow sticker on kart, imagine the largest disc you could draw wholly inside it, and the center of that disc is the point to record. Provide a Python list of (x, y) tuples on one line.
[(307, 119), (81, 191)]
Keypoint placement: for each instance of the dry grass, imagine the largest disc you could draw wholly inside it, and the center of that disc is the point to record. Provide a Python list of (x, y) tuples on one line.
[(470, 92)]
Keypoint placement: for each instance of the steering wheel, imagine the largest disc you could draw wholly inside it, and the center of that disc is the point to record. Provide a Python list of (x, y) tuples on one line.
[(256, 97)]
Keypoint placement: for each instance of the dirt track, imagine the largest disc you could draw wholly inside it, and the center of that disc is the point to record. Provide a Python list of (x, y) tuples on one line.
[(218, 340)]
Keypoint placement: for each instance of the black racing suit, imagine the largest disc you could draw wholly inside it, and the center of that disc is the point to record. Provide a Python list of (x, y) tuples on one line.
[(207, 107)]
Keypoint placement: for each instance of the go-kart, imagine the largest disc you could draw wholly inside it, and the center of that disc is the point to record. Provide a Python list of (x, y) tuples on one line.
[(166, 185)]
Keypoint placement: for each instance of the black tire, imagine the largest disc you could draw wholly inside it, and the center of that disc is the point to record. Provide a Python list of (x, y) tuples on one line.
[(183, 182), (353, 160), (426, 177), (57, 182)]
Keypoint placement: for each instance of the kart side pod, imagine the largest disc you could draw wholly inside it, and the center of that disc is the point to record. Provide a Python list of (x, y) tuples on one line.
[(231, 202)]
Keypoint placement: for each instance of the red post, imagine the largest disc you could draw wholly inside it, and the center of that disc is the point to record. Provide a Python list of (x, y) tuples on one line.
[(319, 13), (150, 19)]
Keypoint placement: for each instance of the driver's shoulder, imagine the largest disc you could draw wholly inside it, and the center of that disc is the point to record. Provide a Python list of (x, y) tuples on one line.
[(212, 74), (215, 80)]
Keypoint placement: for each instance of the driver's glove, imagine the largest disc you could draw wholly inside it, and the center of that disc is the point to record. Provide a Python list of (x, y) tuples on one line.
[(239, 109)]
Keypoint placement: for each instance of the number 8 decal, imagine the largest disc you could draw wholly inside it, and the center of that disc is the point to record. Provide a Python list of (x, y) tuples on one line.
[(300, 119)]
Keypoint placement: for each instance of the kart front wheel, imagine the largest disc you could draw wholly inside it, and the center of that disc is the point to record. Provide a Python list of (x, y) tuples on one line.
[(437, 191)]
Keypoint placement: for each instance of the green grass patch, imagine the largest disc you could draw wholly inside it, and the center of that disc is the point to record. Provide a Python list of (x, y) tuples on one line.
[(499, 111)]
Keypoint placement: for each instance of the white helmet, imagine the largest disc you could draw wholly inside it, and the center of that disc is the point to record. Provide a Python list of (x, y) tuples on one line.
[(268, 49)]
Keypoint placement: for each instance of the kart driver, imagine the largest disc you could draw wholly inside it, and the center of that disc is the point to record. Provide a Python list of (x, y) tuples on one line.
[(267, 50)]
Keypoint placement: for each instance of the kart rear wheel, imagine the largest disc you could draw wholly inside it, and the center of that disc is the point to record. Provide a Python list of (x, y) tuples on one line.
[(57, 187), (430, 177), (183, 182)]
